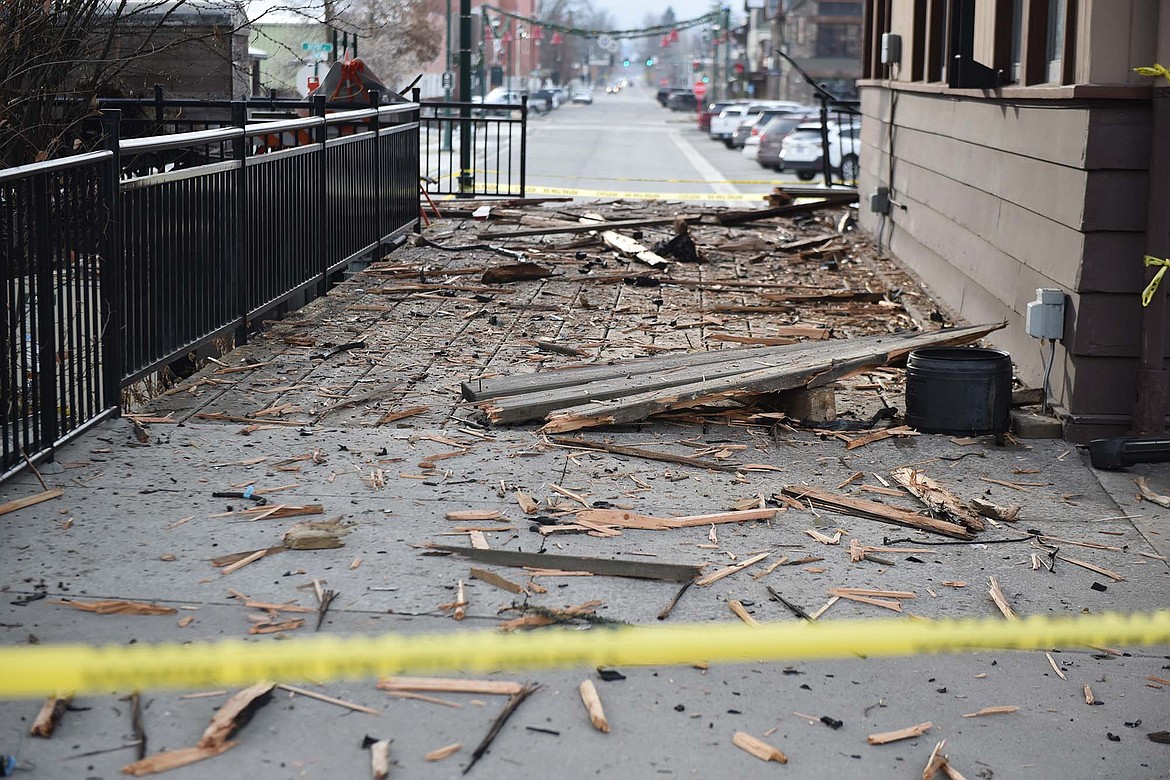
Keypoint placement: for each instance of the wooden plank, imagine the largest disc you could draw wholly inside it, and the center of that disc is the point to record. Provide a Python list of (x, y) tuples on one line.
[(27, 501), (534, 405), (937, 497), (865, 353), (620, 518), (484, 389), (639, 452), (752, 215), (449, 685), (589, 227), (604, 566), (715, 576), (860, 507)]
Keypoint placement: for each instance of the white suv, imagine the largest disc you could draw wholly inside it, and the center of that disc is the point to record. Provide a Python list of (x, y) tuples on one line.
[(724, 125), (801, 151)]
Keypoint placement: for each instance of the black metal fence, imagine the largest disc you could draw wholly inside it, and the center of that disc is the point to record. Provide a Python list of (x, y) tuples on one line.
[(840, 141), (119, 262), (471, 149)]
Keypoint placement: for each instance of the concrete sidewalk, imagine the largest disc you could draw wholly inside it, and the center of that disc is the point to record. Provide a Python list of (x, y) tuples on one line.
[(115, 534)]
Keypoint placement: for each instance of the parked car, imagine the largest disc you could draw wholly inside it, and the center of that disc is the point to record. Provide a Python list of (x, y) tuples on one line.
[(496, 97), (801, 150), (749, 128), (582, 95), (772, 135), (683, 101), (712, 110), (665, 93), (724, 125)]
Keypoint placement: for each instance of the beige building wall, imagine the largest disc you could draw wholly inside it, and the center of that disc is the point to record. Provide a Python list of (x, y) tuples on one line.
[(1000, 192)]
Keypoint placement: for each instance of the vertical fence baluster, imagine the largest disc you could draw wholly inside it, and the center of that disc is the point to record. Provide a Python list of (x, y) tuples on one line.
[(45, 315)]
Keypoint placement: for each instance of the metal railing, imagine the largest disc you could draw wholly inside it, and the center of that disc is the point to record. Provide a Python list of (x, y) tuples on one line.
[(475, 149), (119, 262)]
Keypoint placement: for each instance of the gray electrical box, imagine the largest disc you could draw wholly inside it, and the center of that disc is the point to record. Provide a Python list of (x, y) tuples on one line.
[(891, 49), (879, 201), (1045, 315)]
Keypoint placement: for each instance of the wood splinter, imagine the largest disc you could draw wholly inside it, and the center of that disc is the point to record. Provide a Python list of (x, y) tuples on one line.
[(758, 748), (593, 706), (50, 715), (909, 732), (380, 758)]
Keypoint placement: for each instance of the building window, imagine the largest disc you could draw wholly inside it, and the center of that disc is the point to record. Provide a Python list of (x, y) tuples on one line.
[(1054, 51), (839, 9), (838, 40)]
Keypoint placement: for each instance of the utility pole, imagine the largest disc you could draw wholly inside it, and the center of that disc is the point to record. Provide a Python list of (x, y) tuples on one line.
[(466, 174), (727, 52)]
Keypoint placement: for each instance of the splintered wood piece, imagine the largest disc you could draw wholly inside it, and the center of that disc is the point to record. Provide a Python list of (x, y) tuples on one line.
[(1093, 567), (618, 518), (938, 498), (1009, 513), (1003, 709), (492, 578), (50, 715), (885, 433), (909, 732), (460, 602), (737, 607), (235, 711), (117, 607), (424, 697), (1000, 600), (822, 538), (475, 515), (380, 759), (645, 570), (758, 747), (444, 752), (1090, 699), (449, 685), (173, 759), (242, 562), (824, 608), (328, 699), (515, 272), (479, 540), (896, 606), (856, 551), (639, 452), (402, 414), (872, 510), (593, 706), (36, 498), (1055, 667), (892, 594), (527, 503), (715, 576), (1147, 493), (498, 724)]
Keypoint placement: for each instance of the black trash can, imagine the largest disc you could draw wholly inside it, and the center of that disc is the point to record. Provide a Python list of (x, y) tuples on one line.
[(962, 391)]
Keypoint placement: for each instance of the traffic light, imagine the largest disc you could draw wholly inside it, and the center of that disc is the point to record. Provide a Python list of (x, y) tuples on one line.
[(649, 62), (626, 62)]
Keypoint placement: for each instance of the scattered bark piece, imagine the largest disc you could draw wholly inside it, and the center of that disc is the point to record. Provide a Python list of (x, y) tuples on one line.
[(444, 752), (517, 699), (718, 575), (998, 710), (885, 737), (449, 685), (380, 758), (758, 747), (117, 607), (1000, 600), (593, 706), (50, 715)]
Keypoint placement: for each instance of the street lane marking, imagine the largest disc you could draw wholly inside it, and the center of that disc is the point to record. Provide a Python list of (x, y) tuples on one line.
[(708, 171)]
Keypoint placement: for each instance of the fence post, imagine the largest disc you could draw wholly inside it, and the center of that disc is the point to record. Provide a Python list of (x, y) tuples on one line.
[(113, 289), (466, 172), (826, 168), (523, 142), (416, 98), (46, 317), (240, 207), (158, 108), (321, 135), (379, 188)]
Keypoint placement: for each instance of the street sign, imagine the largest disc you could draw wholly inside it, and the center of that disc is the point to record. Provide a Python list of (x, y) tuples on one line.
[(700, 89), (448, 79), (317, 46)]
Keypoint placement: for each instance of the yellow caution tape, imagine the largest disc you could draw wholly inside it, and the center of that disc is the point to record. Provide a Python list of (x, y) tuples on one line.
[(1152, 287), (529, 189), (1154, 72), (41, 670)]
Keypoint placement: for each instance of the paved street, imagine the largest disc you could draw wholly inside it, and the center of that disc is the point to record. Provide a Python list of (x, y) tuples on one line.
[(628, 142), (377, 435)]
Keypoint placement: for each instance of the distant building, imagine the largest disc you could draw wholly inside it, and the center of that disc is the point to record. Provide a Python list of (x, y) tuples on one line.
[(825, 38)]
